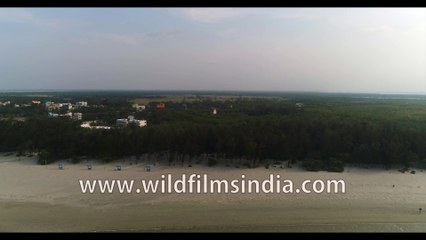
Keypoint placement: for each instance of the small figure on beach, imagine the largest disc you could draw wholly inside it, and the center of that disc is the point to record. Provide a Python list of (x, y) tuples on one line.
[(118, 167), (393, 185), (420, 210)]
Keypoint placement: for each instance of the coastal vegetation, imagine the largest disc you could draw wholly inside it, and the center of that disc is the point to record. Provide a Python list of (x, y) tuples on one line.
[(322, 131)]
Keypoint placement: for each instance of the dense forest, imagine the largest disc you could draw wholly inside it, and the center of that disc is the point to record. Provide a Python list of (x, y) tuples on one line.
[(325, 133)]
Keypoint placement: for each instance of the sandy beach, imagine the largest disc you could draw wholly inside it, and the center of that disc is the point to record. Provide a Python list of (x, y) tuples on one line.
[(43, 198)]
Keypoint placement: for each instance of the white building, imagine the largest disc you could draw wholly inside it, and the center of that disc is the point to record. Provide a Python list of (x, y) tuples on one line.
[(138, 123), (122, 122), (52, 106), (53, 115), (101, 127), (139, 107), (86, 125), (68, 114), (89, 125), (143, 123), (81, 104), (214, 111), (130, 120), (135, 122), (5, 103), (67, 106), (77, 116)]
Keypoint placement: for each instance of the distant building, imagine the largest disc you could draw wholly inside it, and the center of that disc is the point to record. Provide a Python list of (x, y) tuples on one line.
[(160, 106), (68, 114), (143, 123), (5, 103), (86, 125), (35, 102), (89, 125), (300, 105), (120, 123), (138, 107), (53, 115), (81, 104), (65, 106), (138, 123), (54, 106), (135, 122), (101, 127), (214, 111), (50, 106), (77, 116)]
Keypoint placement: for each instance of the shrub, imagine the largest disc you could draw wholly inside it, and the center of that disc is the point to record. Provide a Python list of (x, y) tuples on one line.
[(313, 165), (211, 162), (331, 165), (422, 164), (334, 165), (44, 157), (75, 160)]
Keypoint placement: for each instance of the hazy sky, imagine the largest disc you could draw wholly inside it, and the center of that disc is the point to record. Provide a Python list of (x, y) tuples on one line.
[(288, 49)]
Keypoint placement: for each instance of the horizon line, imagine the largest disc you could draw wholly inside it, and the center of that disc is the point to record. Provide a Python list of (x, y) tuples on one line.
[(198, 90)]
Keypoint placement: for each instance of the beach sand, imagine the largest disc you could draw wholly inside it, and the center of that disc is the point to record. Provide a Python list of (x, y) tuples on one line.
[(36, 198)]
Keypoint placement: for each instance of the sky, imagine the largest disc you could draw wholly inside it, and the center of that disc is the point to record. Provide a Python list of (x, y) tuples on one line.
[(377, 50)]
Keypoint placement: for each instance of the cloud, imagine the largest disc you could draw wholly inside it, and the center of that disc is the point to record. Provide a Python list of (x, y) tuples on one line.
[(215, 15)]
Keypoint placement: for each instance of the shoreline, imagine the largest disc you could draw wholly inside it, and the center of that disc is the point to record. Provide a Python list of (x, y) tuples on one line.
[(200, 161)]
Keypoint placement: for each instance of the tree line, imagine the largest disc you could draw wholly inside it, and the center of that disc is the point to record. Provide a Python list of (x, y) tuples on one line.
[(258, 132)]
